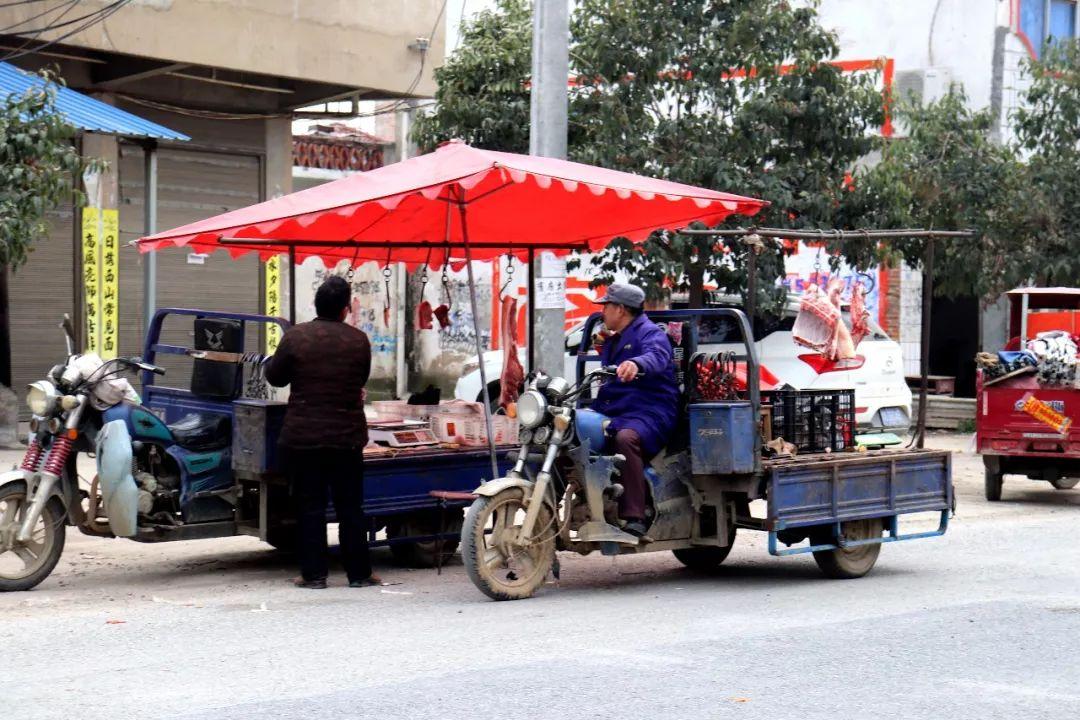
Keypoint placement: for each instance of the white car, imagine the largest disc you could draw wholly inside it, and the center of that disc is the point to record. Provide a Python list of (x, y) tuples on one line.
[(882, 397)]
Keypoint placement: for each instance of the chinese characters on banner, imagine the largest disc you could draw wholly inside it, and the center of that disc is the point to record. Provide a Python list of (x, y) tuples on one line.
[(101, 281), (273, 302), (110, 283), (1043, 412)]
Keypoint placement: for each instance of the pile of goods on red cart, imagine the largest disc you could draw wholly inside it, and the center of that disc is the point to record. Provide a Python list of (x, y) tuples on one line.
[(1051, 356)]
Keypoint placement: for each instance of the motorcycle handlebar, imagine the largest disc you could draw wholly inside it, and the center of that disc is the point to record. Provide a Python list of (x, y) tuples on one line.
[(613, 369), (138, 363)]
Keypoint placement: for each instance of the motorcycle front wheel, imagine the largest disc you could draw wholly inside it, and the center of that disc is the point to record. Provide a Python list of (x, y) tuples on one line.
[(500, 567), (24, 565)]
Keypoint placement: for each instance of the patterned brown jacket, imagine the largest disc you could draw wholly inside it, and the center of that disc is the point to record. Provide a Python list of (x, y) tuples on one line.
[(327, 363)]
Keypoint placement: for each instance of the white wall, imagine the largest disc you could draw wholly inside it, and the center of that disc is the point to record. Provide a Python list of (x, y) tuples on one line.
[(955, 36)]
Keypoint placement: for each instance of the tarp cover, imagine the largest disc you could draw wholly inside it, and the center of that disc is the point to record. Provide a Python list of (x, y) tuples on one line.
[(421, 208)]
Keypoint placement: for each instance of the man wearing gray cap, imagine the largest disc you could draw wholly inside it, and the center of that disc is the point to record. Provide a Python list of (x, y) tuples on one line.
[(642, 401)]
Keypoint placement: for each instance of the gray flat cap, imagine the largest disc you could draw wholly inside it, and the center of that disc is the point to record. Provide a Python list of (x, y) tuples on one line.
[(628, 295)]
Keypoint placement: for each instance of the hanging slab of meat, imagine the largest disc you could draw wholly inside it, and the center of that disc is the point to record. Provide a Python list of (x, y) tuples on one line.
[(860, 318), (513, 375), (442, 314), (842, 347), (815, 325), (424, 315)]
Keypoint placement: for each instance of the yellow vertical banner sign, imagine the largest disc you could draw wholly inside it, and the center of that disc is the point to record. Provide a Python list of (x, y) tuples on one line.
[(91, 272), (273, 302), (110, 283)]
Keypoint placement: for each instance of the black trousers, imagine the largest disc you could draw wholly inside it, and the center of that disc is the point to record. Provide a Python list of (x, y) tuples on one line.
[(632, 503), (317, 475)]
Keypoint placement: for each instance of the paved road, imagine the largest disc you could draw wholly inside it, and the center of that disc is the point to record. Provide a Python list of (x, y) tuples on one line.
[(982, 623)]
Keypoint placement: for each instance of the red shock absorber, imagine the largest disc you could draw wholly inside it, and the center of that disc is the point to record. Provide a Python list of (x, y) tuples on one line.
[(33, 456), (57, 457)]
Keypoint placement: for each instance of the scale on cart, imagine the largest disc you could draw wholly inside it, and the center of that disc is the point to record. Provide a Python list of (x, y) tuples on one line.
[(401, 433)]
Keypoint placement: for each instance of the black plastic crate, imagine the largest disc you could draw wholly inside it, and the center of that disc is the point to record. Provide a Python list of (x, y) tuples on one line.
[(813, 420)]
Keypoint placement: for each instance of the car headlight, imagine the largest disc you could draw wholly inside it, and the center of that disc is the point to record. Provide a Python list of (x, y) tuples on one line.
[(41, 398), (531, 408)]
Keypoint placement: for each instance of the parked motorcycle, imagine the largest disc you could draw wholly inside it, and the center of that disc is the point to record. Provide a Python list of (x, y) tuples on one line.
[(149, 475)]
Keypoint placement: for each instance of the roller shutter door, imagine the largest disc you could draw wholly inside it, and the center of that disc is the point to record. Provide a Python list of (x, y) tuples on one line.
[(40, 292), (191, 186)]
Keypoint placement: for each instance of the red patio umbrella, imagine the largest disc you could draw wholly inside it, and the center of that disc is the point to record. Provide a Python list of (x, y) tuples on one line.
[(461, 203), (493, 201)]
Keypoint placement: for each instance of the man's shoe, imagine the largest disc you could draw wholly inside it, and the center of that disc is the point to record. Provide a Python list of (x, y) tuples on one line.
[(317, 584), (635, 527), (369, 581)]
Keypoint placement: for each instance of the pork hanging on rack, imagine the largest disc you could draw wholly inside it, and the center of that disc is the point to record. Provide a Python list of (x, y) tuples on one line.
[(513, 375)]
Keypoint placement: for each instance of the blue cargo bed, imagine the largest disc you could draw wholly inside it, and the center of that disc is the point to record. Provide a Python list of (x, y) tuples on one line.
[(828, 489)]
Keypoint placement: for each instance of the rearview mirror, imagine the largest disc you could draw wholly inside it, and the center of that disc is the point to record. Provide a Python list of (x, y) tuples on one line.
[(69, 333)]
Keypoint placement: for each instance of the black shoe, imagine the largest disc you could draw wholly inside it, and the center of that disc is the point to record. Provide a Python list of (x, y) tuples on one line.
[(634, 527), (369, 581), (317, 584)]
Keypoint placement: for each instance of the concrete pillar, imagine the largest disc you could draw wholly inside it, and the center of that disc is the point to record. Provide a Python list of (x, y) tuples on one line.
[(277, 181), (549, 103), (994, 329)]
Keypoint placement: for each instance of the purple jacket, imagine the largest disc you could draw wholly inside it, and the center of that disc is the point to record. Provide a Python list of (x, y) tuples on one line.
[(648, 404)]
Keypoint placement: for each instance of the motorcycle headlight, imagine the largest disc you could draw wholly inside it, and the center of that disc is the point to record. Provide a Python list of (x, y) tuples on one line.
[(531, 408), (41, 398)]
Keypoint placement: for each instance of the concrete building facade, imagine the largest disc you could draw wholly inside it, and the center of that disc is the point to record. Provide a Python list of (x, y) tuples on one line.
[(232, 76)]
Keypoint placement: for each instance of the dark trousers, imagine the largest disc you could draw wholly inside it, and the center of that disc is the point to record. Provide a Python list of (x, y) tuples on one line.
[(632, 502), (317, 474)]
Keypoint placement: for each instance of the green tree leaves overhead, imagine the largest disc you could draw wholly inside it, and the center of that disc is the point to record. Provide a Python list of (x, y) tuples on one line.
[(483, 88), (1048, 129), (944, 172), (732, 95), (743, 96), (39, 168)]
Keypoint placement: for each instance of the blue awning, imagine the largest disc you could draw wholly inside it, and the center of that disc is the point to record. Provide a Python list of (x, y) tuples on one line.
[(85, 112)]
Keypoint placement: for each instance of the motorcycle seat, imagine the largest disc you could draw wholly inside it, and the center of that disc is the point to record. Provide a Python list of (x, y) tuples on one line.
[(202, 431)]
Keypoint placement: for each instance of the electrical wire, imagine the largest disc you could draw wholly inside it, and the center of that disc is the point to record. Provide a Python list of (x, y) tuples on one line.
[(198, 113), (19, 2), (44, 12), (97, 17), (58, 25), (31, 37), (419, 73)]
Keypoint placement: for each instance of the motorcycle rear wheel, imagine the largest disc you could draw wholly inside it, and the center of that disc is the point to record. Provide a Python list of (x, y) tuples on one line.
[(500, 569), (25, 565)]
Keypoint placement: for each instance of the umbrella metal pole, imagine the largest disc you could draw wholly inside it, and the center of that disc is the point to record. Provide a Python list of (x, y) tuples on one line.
[(531, 297), (479, 348), (292, 284)]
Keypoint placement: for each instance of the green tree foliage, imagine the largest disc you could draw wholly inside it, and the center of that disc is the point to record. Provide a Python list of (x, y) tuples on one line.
[(483, 92), (39, 167), (944, 171), (1048, 130), (734, 95)]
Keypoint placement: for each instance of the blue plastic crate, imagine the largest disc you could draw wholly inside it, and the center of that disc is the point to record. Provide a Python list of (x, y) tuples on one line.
[(722, 438)]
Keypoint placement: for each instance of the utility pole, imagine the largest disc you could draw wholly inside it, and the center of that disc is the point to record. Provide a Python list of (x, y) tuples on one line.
[(547, 137)]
